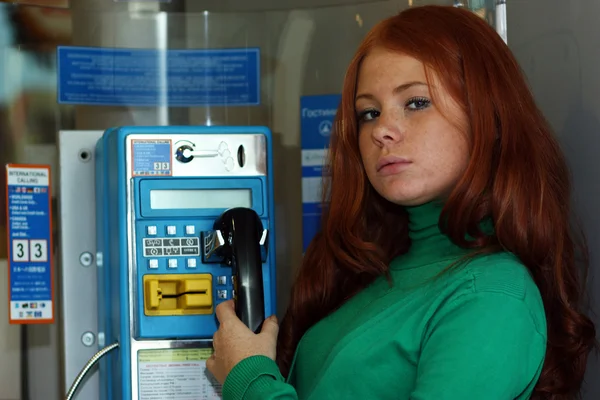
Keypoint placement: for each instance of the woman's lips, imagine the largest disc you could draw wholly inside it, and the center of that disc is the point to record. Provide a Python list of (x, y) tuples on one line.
[(390, 165), (393, 168)]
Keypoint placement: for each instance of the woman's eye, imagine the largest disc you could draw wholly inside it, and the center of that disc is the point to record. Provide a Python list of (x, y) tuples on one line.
[(417, 103), (368, 115)]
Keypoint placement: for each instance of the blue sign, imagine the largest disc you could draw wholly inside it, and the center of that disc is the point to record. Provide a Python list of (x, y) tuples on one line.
[(152, 157), (149, 77), (317, 114), (30, 244)]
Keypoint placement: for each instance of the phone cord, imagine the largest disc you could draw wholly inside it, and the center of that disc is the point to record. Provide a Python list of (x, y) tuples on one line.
[(95, 358)]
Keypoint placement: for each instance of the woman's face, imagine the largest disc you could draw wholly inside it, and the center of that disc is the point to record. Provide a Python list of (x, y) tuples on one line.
[(413, 151)]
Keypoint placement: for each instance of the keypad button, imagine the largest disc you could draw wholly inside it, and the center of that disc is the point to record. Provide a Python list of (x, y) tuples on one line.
[(191, 263), (221, 294), (222, 280), (171, 230), (190, 229), (153, 264), (151, 230), (172, 263)]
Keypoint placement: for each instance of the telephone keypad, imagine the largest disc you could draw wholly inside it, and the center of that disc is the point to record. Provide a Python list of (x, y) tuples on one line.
[(179, 248)]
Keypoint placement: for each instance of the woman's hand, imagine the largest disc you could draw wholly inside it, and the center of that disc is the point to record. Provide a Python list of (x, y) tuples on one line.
[(234, 342)]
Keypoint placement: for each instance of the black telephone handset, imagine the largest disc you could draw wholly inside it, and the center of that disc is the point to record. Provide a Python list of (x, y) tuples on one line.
[(242, 230)]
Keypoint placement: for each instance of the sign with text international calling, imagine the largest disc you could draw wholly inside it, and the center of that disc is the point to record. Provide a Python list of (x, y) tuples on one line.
[(29, 215)]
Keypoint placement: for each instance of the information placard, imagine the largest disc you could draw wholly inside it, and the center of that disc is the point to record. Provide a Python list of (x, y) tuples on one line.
[(176, 374), (150, 77), (317, 114), (29, 233)]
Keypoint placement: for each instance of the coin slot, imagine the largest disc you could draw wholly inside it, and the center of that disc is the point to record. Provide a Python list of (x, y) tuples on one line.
[(241, 156)]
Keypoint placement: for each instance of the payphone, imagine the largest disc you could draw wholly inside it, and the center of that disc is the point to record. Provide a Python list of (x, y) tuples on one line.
[(184, 221)]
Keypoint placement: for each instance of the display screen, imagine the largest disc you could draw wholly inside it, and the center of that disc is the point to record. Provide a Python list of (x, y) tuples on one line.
[(199, 198)]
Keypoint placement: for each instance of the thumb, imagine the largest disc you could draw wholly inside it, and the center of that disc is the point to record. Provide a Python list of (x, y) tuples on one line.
[(270, 327)]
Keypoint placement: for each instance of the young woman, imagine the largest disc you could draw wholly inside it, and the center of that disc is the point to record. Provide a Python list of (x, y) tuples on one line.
[(446, 267)]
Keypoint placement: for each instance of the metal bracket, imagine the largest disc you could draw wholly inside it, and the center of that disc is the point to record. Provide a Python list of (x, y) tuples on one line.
[(78, 262)]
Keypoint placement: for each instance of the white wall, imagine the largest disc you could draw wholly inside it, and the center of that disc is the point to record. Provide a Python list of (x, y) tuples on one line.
[(10, 345)]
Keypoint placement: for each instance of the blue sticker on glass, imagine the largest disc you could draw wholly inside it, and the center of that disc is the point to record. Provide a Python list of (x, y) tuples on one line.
[(317, 114), (150, 77), (152, 157), (30, 244)]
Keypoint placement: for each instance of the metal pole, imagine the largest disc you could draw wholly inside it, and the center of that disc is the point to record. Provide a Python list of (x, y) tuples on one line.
[(501, 27)]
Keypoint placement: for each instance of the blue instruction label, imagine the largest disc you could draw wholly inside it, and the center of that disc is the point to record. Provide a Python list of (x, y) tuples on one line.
[(30, 244), (148, 77), (152, 157), (316, 123)]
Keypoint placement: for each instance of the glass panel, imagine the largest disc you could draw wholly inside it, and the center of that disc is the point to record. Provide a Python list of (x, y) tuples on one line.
[(303, 51), (29, 114)]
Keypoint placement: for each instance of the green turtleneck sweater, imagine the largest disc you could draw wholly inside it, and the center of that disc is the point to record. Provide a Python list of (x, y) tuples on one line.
[(476, 332)]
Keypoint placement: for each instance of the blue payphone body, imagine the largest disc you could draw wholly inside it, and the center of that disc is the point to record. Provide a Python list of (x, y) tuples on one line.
[(180, 209)]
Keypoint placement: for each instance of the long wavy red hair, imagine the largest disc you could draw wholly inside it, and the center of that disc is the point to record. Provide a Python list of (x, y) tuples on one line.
[(517, 176)]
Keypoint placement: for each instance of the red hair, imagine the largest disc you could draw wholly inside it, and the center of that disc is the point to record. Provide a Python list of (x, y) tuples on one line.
[(517, 175)]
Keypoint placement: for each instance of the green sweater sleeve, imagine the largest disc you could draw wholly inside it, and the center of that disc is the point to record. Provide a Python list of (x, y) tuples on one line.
[(257, 378), (483, 345)]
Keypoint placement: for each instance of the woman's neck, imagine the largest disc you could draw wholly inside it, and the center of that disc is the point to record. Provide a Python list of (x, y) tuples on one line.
[(428, 243)]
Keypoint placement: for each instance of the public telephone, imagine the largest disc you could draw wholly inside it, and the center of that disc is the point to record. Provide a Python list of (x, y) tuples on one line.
[(184, 222)]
